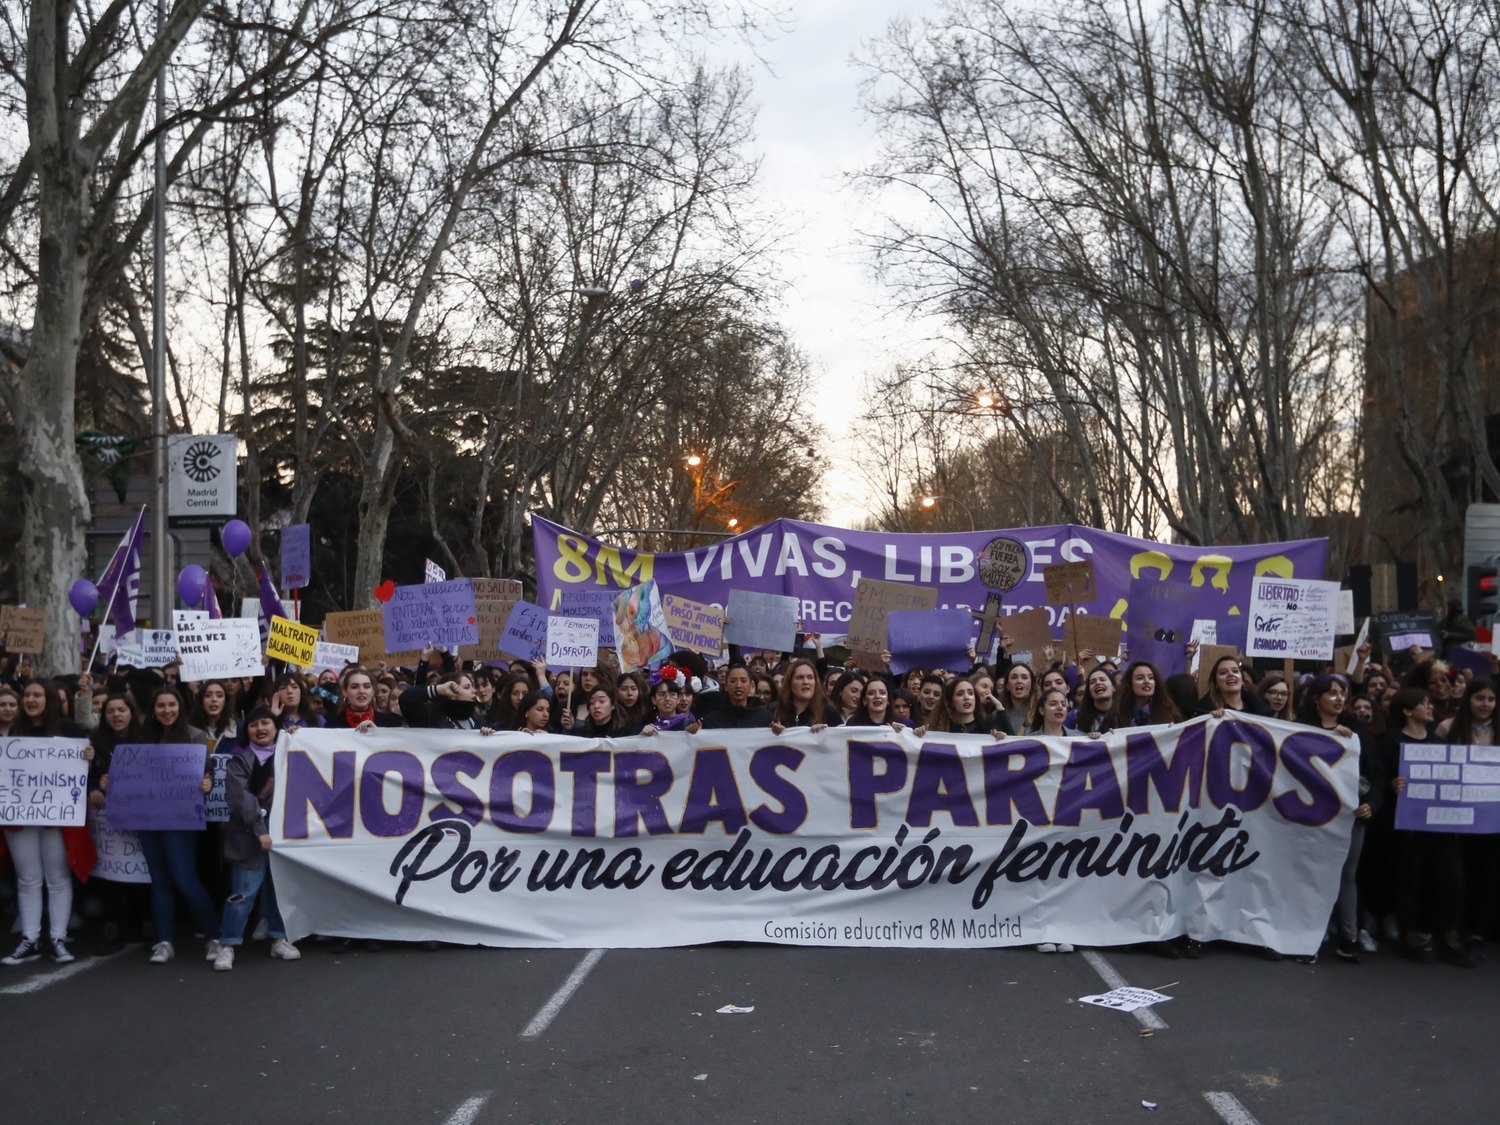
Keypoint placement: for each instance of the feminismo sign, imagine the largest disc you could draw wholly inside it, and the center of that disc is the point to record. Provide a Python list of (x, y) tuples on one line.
[(1233, 828)]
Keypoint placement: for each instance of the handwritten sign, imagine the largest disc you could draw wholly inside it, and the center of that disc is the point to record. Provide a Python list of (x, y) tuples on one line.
[(156, 787), (43, 782), (1292, 618), (120, 858), (330, 657), (1027, 631), (494, 598), (765, 622), (292, 642), (434, 613), (525, 634), (216, 650), (24, 630), (432, 573), (216, 803), (1069, 582), (1449, 789), (365, 629), (147, 648), (597, 604), (296, 556), (874, 599), (1098, 634), (572, 642), (695, 626)]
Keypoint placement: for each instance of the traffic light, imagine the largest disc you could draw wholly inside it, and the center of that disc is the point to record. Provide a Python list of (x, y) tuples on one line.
[(1483, 597)]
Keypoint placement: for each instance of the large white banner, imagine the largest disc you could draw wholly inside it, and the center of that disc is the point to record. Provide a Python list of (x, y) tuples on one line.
[(1230, 828)]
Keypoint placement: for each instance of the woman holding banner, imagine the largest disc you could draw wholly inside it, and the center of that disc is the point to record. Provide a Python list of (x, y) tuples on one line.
[(802, 702), (357, 709), (172, 854), (1017, 696), (957, 711), (448, 704), (1140, 702), (1227, 691), (1093, 715), (41, 855)]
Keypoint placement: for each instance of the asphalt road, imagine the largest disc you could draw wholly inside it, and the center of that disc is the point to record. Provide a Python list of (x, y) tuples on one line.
[(470, 1036)]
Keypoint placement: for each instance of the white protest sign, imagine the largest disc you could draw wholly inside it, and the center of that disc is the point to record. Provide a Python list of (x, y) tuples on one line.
[(1345, 623), (1292, 618), (1125, 999), (431, 572), (44, 782), (120, 858), (1354, 657), (148, 648), (214, 650), (329, 657), (1205, 632), (572, 642)]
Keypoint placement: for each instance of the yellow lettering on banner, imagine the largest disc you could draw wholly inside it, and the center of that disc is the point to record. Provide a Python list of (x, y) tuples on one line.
[(292, 642), (610, 567)]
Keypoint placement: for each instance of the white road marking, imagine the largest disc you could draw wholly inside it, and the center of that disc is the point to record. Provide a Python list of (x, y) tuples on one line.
[(1144, 1016), (469, 1110), (1228, 1107), (549, 1010), (57, 976)]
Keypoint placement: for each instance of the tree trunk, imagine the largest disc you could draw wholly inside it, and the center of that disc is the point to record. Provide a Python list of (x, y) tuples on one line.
[(376, 494)]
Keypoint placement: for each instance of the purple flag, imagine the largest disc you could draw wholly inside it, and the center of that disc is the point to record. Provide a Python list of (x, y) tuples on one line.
[(211, 602), (120, 584), (270, 605)]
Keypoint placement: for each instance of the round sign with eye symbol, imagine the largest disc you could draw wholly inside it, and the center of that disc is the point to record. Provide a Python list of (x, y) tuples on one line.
[(1002, 563)]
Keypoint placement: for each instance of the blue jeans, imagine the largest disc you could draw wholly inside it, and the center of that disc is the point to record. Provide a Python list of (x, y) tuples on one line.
[(173, 859), (245, 884)]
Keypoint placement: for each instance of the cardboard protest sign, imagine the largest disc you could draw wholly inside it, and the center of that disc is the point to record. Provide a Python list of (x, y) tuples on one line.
[(525, 634), (216, 650), (119, 855), (434, 613), (1449, 789), (572, 642), (494, 598), (694, 626), (874, 599), (1069, 583), (1098, 634), (499, 589), (761, 622), (929, 639), (1208, 656), (296, 556), (156, 786), (1027, 632), (292, 642), (216, 802), (23, 630), (641, 628), (1292, 618), (44, 782), (331, 657), (365, 628)]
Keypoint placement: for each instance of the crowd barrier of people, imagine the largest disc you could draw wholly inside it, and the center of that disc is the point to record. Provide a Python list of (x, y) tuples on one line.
[(1428, 895)]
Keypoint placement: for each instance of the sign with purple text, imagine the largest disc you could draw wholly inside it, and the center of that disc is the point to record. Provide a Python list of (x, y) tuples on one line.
[(44, 782), (156, 787), (846, 837), (820, 566), (296, 556), (435, 613), (525, 634), (1449, 788)]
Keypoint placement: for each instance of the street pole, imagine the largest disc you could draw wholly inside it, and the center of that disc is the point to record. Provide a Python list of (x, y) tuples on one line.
[(161, 547)]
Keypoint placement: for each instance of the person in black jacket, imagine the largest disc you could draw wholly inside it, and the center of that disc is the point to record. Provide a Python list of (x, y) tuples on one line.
[(356, 707), (247, 842), (803, 702), (740, 709), (449, 704)]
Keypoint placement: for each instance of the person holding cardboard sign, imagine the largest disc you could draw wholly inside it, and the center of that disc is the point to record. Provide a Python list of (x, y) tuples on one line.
[(1227, 691)]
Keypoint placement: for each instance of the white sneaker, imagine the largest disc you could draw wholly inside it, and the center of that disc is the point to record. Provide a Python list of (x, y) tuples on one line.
[(211, 950), (1047, 947), (224, 958), (285, 950), (162, 952), (1065, 947), (1367, 942)]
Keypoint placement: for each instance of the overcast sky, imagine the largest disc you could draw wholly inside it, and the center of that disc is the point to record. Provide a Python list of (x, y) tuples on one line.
[(811, 134)]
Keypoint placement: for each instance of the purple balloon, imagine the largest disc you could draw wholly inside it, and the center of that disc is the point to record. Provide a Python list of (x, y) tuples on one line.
[(235, 537), (84, 596), (191, 582)]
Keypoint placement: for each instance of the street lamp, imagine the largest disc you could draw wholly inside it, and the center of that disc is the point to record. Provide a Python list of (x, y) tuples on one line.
[(930, 502), (694, 460)]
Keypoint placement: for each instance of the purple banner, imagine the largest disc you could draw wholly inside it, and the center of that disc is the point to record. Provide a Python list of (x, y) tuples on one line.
[(1449, 789), (929, 638), (434, 613), (296, 556), (819, 566), (156, 787)]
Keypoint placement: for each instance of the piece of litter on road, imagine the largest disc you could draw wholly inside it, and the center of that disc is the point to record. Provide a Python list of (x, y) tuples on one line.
[(700, 1078), (1125, 999), (1145, 1033), (1148, 1105), (733, 1009)]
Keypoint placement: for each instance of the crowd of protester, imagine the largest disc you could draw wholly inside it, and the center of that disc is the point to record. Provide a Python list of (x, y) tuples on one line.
[(1428, 895)]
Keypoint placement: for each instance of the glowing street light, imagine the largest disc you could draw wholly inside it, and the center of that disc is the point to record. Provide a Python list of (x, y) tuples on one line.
[(986, 400), (930, 502), (694, 460), (732, 524)]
